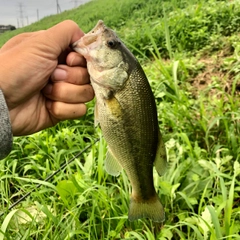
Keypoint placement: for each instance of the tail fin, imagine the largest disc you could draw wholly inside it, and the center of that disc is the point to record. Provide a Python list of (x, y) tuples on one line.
[(151, 208)]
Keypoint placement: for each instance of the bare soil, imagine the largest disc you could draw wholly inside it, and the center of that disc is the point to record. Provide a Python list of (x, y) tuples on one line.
[(215, 78)]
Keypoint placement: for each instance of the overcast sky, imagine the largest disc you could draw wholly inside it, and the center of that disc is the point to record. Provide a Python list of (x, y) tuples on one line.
[(12, 10)]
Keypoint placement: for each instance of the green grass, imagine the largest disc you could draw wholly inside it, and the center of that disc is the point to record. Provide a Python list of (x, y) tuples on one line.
[(179, 43)]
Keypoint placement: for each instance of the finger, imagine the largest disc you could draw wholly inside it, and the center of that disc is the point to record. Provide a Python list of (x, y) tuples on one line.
[(75, 59), (62, 35), (69, 93), (64, 111), (75, 75), (63, 56)]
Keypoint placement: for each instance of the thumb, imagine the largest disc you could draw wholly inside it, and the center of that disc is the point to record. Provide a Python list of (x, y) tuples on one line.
[(62, 35)]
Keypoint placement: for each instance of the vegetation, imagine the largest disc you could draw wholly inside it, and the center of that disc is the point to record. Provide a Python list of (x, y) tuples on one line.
[(190, 52)]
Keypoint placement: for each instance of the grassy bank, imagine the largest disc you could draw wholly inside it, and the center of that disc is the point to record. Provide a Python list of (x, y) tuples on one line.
[(190, 53)]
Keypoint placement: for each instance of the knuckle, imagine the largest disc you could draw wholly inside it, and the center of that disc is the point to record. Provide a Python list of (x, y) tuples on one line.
[(59, 90), (56, 109)]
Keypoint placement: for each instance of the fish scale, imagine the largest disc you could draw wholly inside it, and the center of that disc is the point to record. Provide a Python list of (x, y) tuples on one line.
[(126, 111)]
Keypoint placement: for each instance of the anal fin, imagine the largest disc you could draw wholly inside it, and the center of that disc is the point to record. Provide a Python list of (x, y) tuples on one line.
[(160, 161)]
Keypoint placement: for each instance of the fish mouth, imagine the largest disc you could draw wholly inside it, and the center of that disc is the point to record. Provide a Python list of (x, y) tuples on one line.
[(88, 39), (100, 27)]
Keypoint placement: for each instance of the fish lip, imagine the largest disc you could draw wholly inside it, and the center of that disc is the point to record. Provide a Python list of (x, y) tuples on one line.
[(92, 36), (100, 27), (73, 46)]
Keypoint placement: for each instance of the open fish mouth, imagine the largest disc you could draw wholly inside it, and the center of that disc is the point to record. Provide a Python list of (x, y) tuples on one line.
[(90, 38)]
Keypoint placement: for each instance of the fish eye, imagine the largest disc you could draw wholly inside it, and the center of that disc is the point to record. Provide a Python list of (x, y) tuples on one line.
[(112, 43)]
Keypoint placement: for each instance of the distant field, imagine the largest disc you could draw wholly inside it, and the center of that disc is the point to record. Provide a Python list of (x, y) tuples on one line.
[(190, 52)]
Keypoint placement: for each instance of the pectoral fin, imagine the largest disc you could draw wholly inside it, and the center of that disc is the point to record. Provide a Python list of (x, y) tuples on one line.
[(111, 164), (160, 161)]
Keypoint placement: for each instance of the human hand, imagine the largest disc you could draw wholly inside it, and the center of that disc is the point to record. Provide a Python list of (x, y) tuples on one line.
[(42, 80)]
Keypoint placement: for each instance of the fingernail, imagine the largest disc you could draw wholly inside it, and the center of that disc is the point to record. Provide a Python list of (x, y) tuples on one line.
[(48, 89), (59, 74)]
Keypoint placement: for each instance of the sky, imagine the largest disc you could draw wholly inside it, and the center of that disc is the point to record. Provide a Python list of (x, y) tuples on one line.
[(23, 12)]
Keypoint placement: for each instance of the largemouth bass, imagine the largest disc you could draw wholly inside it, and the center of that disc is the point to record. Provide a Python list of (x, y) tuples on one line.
[(126, 111)]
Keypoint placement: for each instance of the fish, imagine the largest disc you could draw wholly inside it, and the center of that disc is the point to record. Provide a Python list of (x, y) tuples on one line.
[(126, 111)]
